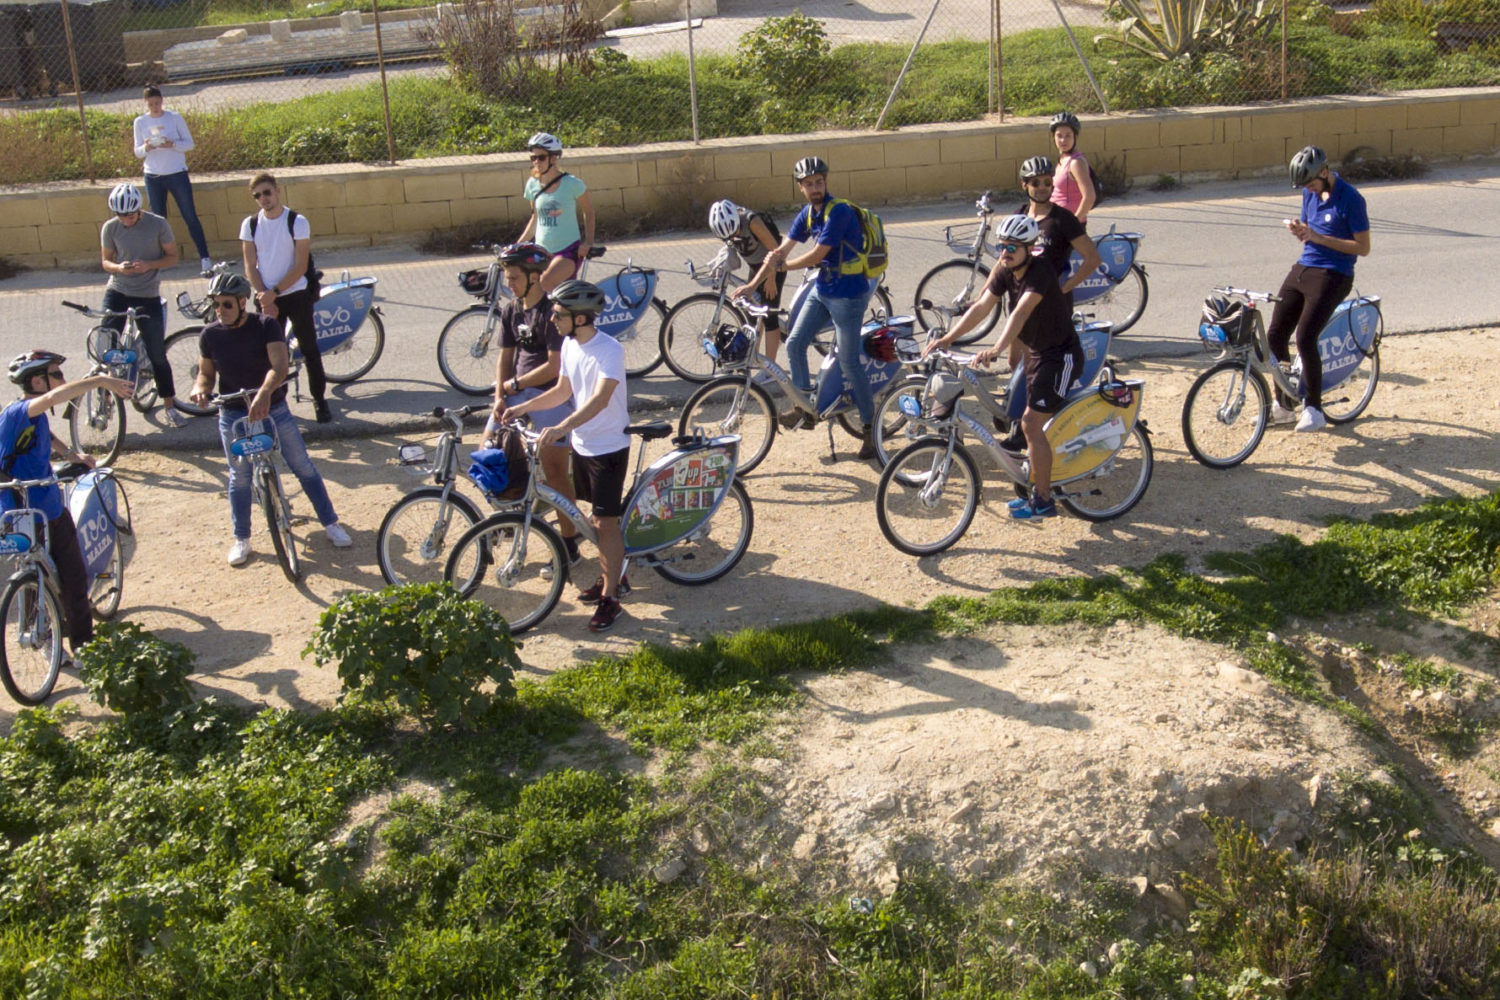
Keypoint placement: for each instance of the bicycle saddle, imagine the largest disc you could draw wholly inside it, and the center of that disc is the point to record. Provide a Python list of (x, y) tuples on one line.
[(652, 431)]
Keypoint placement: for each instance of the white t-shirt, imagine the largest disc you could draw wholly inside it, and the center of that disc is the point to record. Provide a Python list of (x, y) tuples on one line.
[(149, 131), (275, 252), (585, 366)]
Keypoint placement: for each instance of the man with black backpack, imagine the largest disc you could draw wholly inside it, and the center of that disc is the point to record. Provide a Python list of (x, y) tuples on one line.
[(277, 242)]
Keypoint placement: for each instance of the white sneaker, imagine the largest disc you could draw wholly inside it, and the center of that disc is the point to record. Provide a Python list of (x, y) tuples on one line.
[(338, 536), (1312, 419), (239, 552), (763, 377), (174, 417), (1281, 415), (205, 266)]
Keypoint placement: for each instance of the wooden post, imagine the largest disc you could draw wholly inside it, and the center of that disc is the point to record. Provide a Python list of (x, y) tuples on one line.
[(83, 121), (385, 93)]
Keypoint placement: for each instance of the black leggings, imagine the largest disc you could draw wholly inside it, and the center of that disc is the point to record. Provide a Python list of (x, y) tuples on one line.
[(297, 308), (73, 578), (1309, 295)]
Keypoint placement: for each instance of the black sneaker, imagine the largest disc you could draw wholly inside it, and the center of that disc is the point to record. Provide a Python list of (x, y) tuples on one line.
[(797, 419), (1014, 442), (595, 593), (570, 546), (605, 615), (321, 411), (867, 445)]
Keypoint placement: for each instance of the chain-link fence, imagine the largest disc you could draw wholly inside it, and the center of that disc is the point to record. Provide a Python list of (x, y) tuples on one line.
[(270, 83)]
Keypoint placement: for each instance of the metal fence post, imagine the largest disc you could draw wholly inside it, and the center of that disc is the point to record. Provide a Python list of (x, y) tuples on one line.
[(998, 58), (83, 121), (385, 92), (906, 65), (1087, 70), (687, 13)]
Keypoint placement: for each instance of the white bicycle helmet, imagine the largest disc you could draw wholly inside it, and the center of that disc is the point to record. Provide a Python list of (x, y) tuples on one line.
[(124, 199), (544, 140), (1017, 229), (724, 218)]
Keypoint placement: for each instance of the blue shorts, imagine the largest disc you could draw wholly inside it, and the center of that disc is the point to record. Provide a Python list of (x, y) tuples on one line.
[(540, 419)]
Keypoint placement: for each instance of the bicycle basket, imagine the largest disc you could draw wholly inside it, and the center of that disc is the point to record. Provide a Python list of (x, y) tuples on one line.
[(960, 237), (1226, 324), (502, 473), (481, 282), (100, 341)]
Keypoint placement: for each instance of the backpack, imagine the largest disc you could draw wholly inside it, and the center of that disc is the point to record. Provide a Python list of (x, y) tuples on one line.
[(871, 259), (1093, 179), (313, 274)]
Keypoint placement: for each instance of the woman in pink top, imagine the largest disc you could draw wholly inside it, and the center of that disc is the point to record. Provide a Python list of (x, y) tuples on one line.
[(1072, 187)]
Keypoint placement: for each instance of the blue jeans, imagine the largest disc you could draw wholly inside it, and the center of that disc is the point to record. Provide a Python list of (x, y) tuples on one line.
[(848, 316), (293, 452), (151, 321), (181, 189)]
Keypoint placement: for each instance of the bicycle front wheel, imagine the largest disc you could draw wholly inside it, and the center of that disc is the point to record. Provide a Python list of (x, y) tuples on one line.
[(1349, 398), (96, 425), (182, 358), (926, 500), (357, 355), (145, 395), (686, 326), (1117, 486), (106, 589), (1122, 305), (467, 350), (412, 545), (716, 546), (893, 430), (31, 653), (273, 503), (1225, 415), (642, 345), (955, 284), (729, 405), (516, 568)]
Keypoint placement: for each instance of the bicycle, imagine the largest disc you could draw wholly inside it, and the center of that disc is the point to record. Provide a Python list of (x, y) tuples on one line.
[(469, 343), (256, 441), (1117, 293), (31, 615), (687, 517), (1102, 464), (1220, 430), (691, 325), (735, 403), (96, 420), (348, 347), (411, 544)]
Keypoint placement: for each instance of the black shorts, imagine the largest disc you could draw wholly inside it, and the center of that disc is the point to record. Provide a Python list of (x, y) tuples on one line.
[(600, 480), (772, 320), (1049, 377)]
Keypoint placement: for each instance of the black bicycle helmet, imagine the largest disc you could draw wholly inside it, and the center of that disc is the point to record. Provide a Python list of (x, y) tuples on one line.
[(1037, 166), (809, 165), (1062, 118), (229, 284), (531, 257), (1307, 164), (579, 297), (1221, 311), (32, 363)]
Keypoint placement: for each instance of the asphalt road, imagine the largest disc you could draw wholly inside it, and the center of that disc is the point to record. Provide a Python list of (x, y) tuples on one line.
[(1435, 241)]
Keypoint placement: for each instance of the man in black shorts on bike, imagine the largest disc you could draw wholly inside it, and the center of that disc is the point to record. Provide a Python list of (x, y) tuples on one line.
[(1040, 319), (592, 376)]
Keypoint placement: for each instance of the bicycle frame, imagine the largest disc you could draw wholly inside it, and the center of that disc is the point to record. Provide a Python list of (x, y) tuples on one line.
[(1351, 334)]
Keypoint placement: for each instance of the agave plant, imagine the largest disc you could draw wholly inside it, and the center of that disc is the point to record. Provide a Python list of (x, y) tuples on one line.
[(1187, 27)]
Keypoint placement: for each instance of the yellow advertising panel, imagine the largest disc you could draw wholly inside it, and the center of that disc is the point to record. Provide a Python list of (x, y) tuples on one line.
[(1088, 431)]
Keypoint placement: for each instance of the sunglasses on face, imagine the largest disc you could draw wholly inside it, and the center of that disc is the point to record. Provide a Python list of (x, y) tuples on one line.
[(1013, 247), (227, 304), (1040, 181), (540, 157), (559, 314), (54, 373), (263, 194)]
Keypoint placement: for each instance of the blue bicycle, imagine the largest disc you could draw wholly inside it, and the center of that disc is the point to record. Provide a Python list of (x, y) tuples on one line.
[(31, 615)]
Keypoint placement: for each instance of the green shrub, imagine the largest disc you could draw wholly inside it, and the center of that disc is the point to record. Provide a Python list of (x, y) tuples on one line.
[(131, 671), (787, 54), (422, 645)]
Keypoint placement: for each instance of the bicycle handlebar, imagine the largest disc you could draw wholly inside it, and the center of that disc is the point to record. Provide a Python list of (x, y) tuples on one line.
[(441, 413), (1246, 293)]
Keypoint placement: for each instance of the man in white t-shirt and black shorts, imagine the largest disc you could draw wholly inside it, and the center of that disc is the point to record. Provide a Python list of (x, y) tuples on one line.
[(593, 376), (278, 244)]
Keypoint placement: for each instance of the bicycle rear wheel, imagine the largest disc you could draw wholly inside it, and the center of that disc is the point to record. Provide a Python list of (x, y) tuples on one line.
[(145, 395), (1122, 305), (467, 349), (96, 425), (685, 327), (273, 503), (925, 501), (728, 406), (31, 652), (182, 357), (642, 341), (1114, 491), (516, 568), (357, 355), (106, 589), (1349, 398), (955, 284), (1225, 415), (716, 546), (413, 543)]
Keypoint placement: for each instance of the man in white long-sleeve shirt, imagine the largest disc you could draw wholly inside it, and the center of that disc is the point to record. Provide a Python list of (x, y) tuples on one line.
[(161, 139)]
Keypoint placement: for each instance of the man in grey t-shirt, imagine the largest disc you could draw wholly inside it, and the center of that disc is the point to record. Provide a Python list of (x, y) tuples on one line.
[(134, 247)]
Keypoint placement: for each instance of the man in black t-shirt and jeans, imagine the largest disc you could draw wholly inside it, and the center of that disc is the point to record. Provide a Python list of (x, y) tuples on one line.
[(1041, 320)]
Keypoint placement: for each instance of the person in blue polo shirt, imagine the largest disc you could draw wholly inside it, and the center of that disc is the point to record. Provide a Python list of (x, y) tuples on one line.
[(1334, 229), (26, 450), (834, 228)]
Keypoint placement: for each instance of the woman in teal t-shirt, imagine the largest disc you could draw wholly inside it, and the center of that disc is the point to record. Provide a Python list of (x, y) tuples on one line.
[(557, 198)]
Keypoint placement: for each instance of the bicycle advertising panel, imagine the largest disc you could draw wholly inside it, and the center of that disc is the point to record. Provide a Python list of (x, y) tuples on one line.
[(1117, 250), (625, 297), (95, 506), (1346, 340), (1089, 430), (677, 493), (339, 311)]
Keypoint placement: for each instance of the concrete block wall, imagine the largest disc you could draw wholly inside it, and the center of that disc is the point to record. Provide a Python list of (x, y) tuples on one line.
[(359, 205)]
